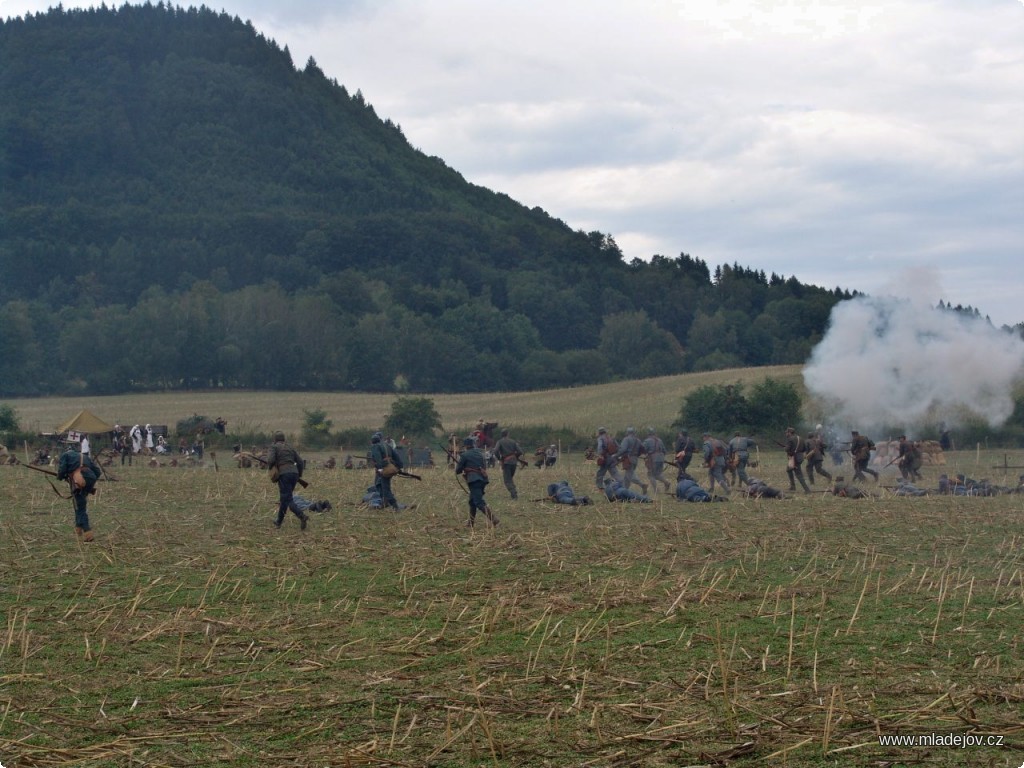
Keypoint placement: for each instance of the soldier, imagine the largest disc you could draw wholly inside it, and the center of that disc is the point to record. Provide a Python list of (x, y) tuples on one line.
[(285, 465), (614, 490), (628, 456), (795, 449), (81, 473), (816, 457), (386, 464), (472, 466), (562, 493), (860, 449), (654, 455), (508, 452), (759, 489), (841, 488), (550, 456), (715, 452), (687, 489), (684, 449), (739, 456), (606, 461), (910, 459)]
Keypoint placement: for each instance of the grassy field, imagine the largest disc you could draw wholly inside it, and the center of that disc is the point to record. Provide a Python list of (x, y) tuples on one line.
[(782, 633), (652, 401)]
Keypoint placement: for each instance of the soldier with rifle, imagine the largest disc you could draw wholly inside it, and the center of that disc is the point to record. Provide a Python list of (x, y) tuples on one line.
[(386, 464), (684, 450), (909, 459), (81, 472), (284, 466)]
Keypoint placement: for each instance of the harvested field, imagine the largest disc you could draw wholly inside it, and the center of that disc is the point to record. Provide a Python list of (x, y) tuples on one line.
[(791, 632)]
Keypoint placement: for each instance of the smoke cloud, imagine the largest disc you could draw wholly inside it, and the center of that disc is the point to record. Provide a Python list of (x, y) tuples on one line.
[(893, 361)]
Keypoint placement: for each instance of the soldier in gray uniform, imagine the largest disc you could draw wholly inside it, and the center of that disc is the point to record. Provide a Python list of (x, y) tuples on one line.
[(628, 456), (654, 455), (739, 457)]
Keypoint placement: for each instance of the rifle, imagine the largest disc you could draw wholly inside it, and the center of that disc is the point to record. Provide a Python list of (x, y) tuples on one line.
[(44, 470), (400, 473), (263, 461), (452, 458), (49, 472)]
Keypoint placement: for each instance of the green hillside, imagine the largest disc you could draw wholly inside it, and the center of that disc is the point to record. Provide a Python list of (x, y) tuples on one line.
[(182, 207)]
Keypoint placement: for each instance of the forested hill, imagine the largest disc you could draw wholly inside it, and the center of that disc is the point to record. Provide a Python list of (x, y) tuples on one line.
[(180, 206)]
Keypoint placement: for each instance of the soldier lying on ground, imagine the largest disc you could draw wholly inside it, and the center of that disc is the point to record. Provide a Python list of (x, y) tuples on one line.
[(562, 493), (305, 505), (616, 491), (687, 489), (841, 488), (907, 488), (759, 489)]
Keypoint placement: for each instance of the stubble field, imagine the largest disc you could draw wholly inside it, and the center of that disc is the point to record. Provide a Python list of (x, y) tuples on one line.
[(791, 632)]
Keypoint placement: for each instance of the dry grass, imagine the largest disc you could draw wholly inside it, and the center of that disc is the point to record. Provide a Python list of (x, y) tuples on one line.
[(651, 401), (745, 633)]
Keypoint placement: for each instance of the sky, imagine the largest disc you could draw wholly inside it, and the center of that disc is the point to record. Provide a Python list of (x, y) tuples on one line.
[(873, 146)]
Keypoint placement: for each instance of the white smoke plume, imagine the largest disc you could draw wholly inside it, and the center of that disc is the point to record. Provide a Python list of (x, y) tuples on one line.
[(893, 361)]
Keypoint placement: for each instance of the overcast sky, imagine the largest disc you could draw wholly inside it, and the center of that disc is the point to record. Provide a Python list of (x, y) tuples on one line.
[(876, 146)]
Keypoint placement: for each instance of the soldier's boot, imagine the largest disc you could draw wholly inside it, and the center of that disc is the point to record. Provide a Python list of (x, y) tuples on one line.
[(643, 489), (87, 536), (278, 521), (79, 531), (472, 519), (303, 522), (491, 516)]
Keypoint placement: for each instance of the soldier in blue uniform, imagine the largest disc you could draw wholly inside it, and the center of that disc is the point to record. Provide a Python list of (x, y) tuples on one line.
[(70, 462), (473, 466), (384, 456)]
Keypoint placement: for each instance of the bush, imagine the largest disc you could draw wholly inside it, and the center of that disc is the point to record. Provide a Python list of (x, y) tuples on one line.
[(413, 417), (316, 428)]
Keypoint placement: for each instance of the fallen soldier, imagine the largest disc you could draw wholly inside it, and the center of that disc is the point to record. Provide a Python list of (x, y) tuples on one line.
[(562, 493), (841, 488), (305, 505), (687, 489), (907, 488), (616, 491), (759, 489), (372, 498)]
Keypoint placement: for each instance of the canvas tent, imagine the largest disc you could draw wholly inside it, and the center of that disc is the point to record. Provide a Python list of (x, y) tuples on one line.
[(86, 422)]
